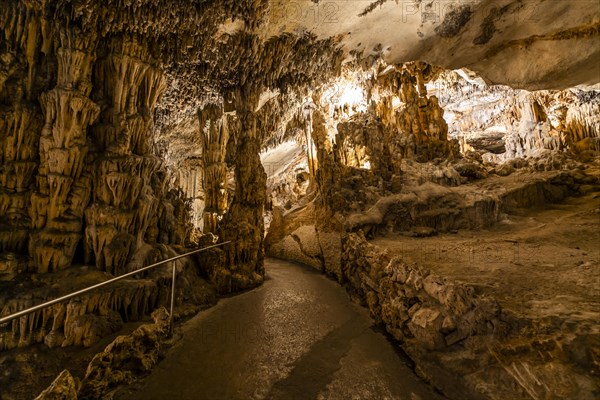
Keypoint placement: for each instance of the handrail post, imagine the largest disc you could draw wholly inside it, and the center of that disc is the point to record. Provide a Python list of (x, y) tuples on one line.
[(172, 321)]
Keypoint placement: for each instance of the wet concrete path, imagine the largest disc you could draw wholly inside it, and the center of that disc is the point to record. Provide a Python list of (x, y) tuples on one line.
[(298, 336)]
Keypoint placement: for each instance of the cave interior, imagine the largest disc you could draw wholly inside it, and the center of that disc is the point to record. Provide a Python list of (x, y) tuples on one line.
[(440, 161)]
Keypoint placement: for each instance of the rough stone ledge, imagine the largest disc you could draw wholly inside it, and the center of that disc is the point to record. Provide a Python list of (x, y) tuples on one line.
[(465, 344), (126, 358)]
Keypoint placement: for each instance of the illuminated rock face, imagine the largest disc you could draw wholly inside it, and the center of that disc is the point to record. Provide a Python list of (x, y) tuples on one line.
[(390, 162), (128, 183), (507, 123), (83, 173), (97, 172), (215, 135)]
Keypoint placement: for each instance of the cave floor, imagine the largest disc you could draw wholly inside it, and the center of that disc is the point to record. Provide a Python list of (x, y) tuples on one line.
[(542, 262), (298, 336)]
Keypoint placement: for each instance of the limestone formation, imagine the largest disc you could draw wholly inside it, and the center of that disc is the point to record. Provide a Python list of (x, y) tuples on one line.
[(128, 185), (63, 190), (502, 123), (121, 361), (134, 131), (64, 387), (124, 357), (244, 224), (215, 135), (390, 168)]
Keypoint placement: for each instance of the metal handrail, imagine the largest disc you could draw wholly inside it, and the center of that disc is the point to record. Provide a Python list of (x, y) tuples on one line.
[(30, 310)]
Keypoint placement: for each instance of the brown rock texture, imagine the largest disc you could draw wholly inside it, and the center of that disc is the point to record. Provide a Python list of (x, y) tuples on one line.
[(244, 222), (127, 357), (386, 165), (215, 135), (64, 387), (93, 100), (132, 130), (502, 123)]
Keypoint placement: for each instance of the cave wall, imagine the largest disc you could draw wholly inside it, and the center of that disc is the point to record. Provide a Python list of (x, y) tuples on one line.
[(391, 167), (393, 161), (99, 107), (81, 182), (362, 155), (88, 174)]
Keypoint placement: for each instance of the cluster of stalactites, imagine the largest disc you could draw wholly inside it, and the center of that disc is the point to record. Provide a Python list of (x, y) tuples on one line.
[(401, 121), (214, 138), (129, 183), (63, 189), (405, 106), (77, 323)]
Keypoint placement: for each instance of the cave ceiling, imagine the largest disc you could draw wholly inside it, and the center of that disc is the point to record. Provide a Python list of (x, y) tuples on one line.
[(521, 43), (289, 49), (217, 45)]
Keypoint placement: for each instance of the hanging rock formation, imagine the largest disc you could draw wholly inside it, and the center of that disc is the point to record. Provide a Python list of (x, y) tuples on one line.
[(129, 183), (107, 164), (387, 167), (502, 123), (63, 190), (215, 135), (92, 96)]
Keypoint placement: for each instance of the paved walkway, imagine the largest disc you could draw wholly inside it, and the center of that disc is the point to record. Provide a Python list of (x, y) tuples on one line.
[(298, 336)]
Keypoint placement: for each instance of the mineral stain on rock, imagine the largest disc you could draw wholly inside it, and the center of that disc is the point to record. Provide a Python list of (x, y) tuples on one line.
[(454, 21), (488, 27)]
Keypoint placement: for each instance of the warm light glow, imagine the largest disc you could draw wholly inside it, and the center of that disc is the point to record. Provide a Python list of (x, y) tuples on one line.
[(345, 94), (366, 165), (351, 95), (396, 102)]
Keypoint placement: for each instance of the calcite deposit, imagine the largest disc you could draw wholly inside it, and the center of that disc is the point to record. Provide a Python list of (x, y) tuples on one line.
[(326, 132), (215, 135), (86, 178), (503, 123)]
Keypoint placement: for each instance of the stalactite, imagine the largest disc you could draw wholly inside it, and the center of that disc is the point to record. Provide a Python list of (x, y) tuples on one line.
[(414, 121), (125, 195), (77, 322), (63, 147), (215, 135), (18, 155)]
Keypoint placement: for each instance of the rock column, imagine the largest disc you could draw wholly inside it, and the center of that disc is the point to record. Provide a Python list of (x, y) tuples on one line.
[(244, 223), (126, 175), (215, 134), (63, 189)]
